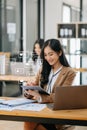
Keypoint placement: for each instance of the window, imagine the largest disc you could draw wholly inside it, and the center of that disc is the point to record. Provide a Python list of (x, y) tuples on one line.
[(71, 45)]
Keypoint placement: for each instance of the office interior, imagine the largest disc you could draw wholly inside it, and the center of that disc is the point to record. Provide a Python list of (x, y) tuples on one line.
[(24, 21)]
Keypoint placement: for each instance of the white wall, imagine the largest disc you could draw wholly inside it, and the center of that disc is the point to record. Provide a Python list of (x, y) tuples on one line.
[(84, 18), (30, 24), (72, 3), (53, 15), (53, 11)]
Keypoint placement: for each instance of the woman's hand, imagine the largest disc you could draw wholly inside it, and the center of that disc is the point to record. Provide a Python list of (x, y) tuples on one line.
[(27, 95), (32, 93), (31, 83)]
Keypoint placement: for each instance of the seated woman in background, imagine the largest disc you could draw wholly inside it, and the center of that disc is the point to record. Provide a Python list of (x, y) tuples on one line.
[(36, 53), (55, 71)]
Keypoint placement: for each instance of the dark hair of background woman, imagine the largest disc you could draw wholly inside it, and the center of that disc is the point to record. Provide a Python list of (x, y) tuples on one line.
[(40, 42), (55, 45)]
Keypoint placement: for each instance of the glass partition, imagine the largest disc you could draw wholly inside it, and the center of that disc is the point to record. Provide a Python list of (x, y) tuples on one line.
[(10, 25)]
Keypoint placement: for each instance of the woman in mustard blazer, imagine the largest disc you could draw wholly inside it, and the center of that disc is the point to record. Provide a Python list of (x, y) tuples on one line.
[(55, 72)]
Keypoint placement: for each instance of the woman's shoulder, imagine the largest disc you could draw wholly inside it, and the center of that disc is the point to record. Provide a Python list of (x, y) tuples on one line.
[(68, 69)]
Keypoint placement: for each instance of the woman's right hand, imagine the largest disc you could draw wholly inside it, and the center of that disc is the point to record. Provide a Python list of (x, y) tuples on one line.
[(27, 95), (31, 83)]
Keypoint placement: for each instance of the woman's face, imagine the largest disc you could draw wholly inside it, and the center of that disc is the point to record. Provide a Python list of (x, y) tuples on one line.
[(37, 49), (51, 56)]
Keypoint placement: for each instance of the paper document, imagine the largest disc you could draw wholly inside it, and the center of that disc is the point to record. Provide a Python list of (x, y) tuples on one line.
[(5, 107), (20, 104), (17, 101), (38, 88), (31, 107), (1, 101)]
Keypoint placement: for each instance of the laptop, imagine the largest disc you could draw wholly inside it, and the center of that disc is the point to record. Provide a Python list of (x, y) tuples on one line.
[(73, 97)]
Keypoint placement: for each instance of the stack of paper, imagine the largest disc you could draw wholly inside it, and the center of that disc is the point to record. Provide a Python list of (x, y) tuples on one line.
[(1, 101), (17, 101), (31, 107), (20, 104)]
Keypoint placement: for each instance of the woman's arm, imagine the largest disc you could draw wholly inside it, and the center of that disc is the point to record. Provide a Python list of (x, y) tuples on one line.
[(32, 82), (66, 80)]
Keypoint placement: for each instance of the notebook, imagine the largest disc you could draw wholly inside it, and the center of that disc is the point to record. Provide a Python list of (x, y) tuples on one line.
[(73, 97)]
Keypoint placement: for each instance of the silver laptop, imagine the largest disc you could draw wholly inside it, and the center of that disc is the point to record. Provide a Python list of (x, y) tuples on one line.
[(73, 97)]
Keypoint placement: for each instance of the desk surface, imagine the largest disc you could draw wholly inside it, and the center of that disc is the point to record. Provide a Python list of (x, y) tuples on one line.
[(14, 78), (76, 117)]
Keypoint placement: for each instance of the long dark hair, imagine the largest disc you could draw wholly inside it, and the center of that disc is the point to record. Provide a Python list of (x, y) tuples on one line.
[(40, 42), (55, 45)]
